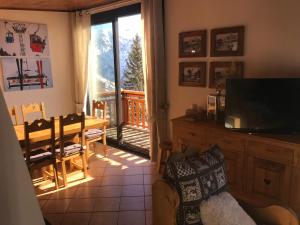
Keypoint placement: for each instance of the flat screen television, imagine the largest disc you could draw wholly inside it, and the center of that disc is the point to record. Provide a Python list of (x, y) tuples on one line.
[(263, 105)]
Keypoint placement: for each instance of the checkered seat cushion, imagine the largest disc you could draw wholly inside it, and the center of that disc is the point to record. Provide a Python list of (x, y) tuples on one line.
[(196, 177), (70, 149), (39, 155), (93, 133)]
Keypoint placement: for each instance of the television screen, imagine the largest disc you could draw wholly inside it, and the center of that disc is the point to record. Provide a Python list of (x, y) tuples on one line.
[(263, 105)]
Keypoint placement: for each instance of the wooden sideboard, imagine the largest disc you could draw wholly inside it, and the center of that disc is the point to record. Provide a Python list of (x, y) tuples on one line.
[(262, 169)]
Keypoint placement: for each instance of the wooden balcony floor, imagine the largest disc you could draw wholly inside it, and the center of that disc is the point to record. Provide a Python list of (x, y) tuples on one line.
[(132, 136)]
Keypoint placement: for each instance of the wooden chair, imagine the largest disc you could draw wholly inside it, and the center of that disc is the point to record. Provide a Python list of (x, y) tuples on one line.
[(94, 135), (35, 154), (14, 115), (33, 108), (71, 144)]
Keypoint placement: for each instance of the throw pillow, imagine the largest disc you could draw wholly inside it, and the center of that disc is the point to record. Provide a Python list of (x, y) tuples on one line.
[(196, 177), (223, 209)]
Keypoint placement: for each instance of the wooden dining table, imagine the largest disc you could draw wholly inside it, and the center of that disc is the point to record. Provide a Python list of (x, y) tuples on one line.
[(90, 123)]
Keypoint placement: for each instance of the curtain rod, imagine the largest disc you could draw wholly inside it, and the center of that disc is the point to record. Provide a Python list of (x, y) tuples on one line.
[(111, 6)]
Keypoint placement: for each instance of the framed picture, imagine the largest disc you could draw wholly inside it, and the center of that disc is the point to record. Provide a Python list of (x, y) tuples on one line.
[(193, 44), (220, 71), (21, 74), (227, 41), (192, 74)]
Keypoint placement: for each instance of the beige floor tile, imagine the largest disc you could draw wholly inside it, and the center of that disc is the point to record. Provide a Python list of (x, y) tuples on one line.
[(132, 218), (148, 189), (112, 180), (148, 217), (68, 192), (76, 219), (150, 179), (133, 170), (113, 171), (150, 169), (133, 190), (148, 203), (54, 218), (91, 182), (42, 203), (86, 192), (107, 204), (95, 162), (132, 203), (104, 218), (133, 179), (56, 206), (109, 191), (96, 172), (81, 205)]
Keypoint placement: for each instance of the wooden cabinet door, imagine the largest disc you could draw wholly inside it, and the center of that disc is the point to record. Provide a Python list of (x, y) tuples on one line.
[(233, 149), (268, 181), (234, 169)]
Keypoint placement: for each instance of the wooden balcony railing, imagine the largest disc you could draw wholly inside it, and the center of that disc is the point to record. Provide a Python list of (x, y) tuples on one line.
[(133, 107)]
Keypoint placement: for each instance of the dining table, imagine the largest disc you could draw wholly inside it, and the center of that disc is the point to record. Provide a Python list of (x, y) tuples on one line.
[(90, 123)]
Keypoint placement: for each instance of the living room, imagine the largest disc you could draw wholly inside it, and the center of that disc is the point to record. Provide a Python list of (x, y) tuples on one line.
[(270, 49)]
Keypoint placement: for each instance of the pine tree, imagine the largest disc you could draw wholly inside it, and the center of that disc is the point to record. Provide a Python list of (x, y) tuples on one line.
[(133, 75)]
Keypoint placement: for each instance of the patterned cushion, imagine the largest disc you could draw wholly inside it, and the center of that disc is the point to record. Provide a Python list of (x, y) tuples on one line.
[(196, 177), (93, 133), (70, 149), (39, 155)]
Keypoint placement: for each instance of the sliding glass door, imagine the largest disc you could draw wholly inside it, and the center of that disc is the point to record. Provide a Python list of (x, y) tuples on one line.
[(102, 85), (117, 76)]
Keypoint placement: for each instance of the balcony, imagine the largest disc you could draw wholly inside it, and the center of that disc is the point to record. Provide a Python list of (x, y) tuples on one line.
[(135, 132)]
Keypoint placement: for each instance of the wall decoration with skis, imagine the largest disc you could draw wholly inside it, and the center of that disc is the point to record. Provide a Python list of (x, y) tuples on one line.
[(24, 54)]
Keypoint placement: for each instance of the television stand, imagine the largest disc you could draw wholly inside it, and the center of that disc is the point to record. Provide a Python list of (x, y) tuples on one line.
[(262, 169)]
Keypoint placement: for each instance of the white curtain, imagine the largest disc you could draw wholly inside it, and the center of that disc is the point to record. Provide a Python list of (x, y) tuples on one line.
[(81, 33), (154, 71)]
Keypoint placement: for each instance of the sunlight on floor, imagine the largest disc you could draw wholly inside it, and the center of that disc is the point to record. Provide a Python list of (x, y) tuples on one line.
[(118, 159), (118, 188)]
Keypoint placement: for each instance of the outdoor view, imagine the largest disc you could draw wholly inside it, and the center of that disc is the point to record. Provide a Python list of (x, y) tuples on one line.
[(130, 51), (102, 85)]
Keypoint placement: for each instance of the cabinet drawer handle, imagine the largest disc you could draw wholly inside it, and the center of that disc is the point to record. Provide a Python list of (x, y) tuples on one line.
[(267, 182)]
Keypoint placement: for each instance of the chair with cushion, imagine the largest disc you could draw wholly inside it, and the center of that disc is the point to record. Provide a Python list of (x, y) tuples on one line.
[(14, 115), (36, 156), (94, 135), (33, 108), (71, 144)]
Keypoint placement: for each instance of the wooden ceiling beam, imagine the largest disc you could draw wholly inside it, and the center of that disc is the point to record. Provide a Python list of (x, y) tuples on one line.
[(53, 5)]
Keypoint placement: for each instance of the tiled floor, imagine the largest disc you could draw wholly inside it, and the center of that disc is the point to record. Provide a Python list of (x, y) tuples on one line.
[(117, 192)]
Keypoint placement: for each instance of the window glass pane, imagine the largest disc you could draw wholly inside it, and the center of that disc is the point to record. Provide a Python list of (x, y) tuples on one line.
[(130, 49), (102, 71)]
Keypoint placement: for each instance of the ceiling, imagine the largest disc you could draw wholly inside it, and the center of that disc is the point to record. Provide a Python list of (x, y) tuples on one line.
[(53, 5)]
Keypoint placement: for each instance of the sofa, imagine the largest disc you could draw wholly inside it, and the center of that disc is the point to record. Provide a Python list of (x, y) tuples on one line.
[(165, 202)]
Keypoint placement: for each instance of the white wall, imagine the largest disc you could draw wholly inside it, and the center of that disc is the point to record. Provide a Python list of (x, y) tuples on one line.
[(59, 99), (272, 40)]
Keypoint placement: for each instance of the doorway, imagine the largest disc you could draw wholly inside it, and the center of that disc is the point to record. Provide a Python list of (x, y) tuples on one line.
[(116, 76)]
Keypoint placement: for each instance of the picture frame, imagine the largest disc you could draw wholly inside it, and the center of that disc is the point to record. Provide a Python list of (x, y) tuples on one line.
[(192, 74), (227, 41), (219, 71), (193, 44)]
